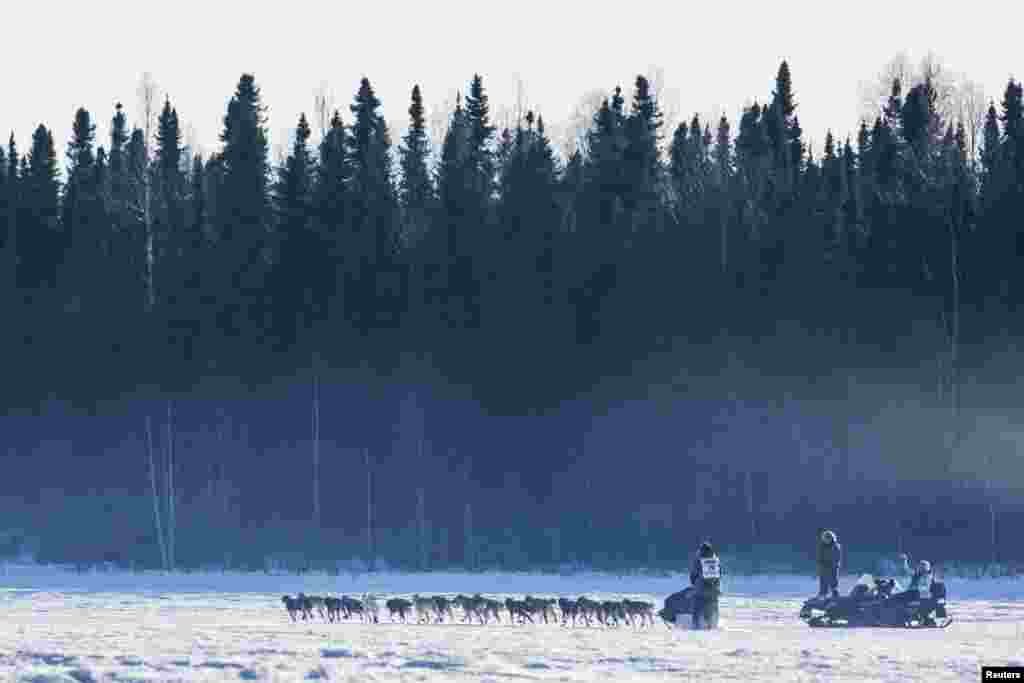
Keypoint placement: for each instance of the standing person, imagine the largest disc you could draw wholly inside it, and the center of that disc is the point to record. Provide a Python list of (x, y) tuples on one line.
[(706, 577), (829, 554)]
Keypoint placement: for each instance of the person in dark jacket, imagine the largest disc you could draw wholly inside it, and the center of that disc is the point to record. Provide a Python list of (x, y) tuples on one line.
[(920, 583), (706, 577), (829, 554)]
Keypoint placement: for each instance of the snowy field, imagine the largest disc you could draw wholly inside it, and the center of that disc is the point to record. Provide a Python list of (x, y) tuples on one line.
[(58, 626)]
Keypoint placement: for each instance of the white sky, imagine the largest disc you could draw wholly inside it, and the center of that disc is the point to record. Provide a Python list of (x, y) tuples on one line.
[(716, 56)]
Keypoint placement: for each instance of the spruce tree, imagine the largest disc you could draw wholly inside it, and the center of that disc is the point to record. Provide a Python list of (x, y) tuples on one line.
[(244, 198), (120, 182), (197, 201), (243, 214), (373, 284), (864, 159), (721, 188), (39, 218), (990, 151), (918, 118), (83, 276), (12, 160), (8, 246), (416, 191), (330, 195), (1013, 111), (1012, 118), (753, 165), (451, 181), (527, 289), (10, 298), (544, 173), (293, 189), (642, 157), (961, 142), (885, 150), (830, 165), (722, 155), (678, 166), (606, 175), (457, 290), (853, 208), (10, 218), (191, 319), (700, 159), (570, 190), (299, 301), (81, 189), (504, 157), (783, 93), (169, 190), (797, 149), (893, 108), (479, 154), (103, 175), (134, 223)]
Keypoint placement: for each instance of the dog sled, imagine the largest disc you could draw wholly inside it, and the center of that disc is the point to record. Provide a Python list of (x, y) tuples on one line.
[(678, 611)]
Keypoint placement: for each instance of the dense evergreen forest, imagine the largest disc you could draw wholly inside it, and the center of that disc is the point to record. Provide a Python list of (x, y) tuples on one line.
[(494, 355)]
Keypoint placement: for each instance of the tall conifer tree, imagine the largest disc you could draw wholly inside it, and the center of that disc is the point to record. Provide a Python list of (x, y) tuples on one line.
[(416, 190), (243, 214)]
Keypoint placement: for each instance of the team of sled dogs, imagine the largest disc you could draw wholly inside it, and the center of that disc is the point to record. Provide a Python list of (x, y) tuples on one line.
[(436, 609)]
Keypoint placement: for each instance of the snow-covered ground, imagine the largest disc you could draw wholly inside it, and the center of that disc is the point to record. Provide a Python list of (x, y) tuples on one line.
[(58, 626)]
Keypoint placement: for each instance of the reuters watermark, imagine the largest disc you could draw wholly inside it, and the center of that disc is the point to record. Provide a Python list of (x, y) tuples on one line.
[(1002, 673)]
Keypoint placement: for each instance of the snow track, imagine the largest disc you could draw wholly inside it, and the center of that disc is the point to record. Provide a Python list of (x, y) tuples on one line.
[(85, 634)]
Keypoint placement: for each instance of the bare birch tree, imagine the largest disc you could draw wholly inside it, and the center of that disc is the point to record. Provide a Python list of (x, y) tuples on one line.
[(505, 118), (668, 100), (156, 496), (164, 493), (522, 103), (971, 105), (147, 93), (949, 381), (874, 93), (323, 107), (573, 136), (943, 80), (172, 522), (995, 437), (437, 123)]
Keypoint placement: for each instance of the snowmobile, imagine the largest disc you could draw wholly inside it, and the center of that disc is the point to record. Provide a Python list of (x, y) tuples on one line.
[(678, 611), (876, 602)]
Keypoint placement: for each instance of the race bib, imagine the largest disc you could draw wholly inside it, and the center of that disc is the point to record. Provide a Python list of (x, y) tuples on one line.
[(710, 568)]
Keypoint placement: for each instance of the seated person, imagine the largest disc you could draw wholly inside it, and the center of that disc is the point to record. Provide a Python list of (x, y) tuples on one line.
[(920, 583)]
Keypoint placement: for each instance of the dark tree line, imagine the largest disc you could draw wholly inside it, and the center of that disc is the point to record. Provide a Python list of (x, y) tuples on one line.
[(530, 279)]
